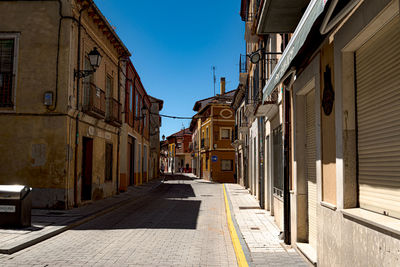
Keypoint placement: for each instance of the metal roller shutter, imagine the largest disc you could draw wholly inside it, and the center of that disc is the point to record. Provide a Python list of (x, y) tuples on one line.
[(310, 167), (378, 115)]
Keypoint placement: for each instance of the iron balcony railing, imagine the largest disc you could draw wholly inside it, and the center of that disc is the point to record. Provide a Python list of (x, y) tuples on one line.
[(257, 99), (113, 111), (94, 100), (204, 143)]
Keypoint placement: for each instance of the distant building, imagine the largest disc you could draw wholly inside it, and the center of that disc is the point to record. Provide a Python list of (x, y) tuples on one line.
[(164, 155), (179, 159), (213, 125), (135, 132), (155, 124)]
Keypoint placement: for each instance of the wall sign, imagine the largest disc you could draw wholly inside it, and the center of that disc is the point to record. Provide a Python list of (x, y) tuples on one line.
[(7, 208), (214, 158)]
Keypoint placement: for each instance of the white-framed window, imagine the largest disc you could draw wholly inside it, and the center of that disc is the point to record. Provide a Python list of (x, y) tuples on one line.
[(9, 43), (179, 145), (227, 165), (225, 133)]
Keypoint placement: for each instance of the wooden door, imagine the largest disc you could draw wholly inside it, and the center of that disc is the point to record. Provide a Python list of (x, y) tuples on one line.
[(87, 165)]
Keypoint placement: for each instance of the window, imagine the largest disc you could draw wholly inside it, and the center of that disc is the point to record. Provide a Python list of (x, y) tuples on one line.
[(87, 81), (145, 158), (109, 95), (109, 161), (277, 157), (137, 105), (145, 119), (225, 133), (131, 98), (7, 70), (227, 165), (140, 107), (109, 90), (140, 157)]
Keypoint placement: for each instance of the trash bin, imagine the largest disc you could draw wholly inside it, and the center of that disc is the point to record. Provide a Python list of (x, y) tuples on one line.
[(15, 205)]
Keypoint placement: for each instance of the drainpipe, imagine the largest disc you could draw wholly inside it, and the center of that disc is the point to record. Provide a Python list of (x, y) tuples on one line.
[(119, 130), (286, 158), (77, 108)]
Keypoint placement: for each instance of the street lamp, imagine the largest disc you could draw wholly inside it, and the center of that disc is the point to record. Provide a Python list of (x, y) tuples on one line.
[(94, 59), (255, 57)]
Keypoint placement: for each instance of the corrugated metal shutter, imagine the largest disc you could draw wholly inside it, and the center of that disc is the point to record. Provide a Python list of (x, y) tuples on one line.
[(310, 167), (378, 114)]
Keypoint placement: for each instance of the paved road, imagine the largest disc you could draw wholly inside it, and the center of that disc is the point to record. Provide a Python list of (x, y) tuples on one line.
[(182, 223)]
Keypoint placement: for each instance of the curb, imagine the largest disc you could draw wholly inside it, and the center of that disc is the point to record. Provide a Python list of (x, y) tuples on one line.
[(240, 256), (83, 220)]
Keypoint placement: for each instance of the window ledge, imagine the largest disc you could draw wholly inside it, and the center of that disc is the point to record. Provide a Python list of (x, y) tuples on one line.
[(328, 205), (7, 110), (308, 251), (382, 222)]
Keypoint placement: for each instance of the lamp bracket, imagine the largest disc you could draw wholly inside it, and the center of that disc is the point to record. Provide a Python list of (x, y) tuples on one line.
[(83, 73)]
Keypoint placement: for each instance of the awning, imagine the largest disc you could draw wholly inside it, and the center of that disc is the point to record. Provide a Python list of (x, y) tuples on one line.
[(314, 9)]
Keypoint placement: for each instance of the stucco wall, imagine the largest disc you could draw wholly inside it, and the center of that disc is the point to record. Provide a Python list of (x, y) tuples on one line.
[(34, 153), (345, 242), (278, 212)]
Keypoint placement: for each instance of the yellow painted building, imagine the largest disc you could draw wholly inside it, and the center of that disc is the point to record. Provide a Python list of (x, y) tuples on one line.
[(60, 131), (215, 127)]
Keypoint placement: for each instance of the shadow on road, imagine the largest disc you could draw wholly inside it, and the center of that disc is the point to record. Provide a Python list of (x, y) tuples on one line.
[(165, 208)]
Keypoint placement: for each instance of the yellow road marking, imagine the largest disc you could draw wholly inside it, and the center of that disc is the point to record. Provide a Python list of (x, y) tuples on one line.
[(241, 259)]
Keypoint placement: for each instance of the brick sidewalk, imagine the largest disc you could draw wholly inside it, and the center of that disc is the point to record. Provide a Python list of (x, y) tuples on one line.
[(261, 235), (48, 223)]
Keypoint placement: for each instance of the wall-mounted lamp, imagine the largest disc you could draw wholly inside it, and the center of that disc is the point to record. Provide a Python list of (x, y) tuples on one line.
[(95, 60), (255, 57)]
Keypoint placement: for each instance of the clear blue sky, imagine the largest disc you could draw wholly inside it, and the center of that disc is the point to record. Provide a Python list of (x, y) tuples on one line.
[(173, 46)]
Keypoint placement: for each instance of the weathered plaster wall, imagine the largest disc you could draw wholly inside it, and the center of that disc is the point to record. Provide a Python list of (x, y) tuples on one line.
[(34, 153), (33, 149)]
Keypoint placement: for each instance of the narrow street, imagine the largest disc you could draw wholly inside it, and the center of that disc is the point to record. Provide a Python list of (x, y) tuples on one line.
[(181, 223)]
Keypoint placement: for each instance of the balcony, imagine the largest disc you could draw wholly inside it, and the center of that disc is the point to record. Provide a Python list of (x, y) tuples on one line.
[(249, 110), (204, 143), (243, 127), (94, 101), (113, 112)]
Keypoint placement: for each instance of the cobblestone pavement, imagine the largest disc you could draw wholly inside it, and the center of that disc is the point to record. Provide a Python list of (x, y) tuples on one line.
[(183, 223), (260, 232)]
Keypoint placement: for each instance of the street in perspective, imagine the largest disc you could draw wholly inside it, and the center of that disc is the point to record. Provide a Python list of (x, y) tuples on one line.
[(218, 133)]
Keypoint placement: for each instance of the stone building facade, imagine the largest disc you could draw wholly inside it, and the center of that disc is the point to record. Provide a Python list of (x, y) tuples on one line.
[(60, 131)]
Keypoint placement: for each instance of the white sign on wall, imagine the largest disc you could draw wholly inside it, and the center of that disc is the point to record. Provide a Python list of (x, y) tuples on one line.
[(7, 208)]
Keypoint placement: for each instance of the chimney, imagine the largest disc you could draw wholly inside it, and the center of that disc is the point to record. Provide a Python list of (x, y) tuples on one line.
[(222, 85)]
